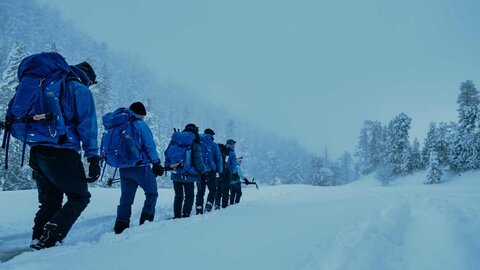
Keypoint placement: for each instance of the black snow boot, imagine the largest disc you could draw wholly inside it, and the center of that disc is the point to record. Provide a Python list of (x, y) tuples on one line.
[(120, 226), (199, 210), (208, 207), (145, 217), (50, 237)]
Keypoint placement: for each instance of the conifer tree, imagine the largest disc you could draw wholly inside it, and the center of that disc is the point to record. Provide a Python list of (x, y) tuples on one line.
[(465, 145), (398, 145), (15, 177), (346, 168), (434, 171), (371, 149), (416, 157)]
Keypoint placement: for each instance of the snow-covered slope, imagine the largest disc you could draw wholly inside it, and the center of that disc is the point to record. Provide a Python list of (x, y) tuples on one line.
[(406, 225)]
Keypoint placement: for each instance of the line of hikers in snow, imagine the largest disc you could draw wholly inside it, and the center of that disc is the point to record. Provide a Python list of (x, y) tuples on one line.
[(53, 111), (190, 156)]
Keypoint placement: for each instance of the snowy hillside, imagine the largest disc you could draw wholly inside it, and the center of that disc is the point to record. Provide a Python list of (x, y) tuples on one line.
[(406, 225)]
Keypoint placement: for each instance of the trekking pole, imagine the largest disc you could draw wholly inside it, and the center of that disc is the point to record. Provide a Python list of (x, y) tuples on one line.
[(103, 171), (112, 179)]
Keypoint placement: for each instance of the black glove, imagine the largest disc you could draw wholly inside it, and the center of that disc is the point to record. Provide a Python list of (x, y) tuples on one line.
[(94, 169), (157, 169)]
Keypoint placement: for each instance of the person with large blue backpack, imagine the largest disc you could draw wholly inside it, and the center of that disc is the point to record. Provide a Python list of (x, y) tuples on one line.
[(184, 155), (128, 144), (213, 163), (53, 111)]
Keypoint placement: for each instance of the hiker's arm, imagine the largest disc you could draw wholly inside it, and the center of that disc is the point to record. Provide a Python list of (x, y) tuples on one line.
[(148, 143), (87, 120), (218, 159), (197, 159), (232, 162)]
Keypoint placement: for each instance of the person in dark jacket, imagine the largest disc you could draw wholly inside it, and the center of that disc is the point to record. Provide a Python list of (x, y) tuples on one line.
[(184, 184), (140, 175), (58, 168), (213, 163), (229, 169)]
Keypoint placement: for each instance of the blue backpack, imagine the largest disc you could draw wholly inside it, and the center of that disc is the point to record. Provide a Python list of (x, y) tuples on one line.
[(207, 151), (179, 151), (34, 114), (121, 145)]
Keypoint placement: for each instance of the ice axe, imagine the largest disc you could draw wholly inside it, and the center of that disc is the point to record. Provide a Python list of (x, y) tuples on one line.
[(246, 182)]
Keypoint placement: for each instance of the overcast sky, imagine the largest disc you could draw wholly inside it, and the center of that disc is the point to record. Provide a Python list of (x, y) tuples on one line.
[(312, 70)]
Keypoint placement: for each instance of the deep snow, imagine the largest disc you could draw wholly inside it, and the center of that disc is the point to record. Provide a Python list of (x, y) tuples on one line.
[(363, 225)]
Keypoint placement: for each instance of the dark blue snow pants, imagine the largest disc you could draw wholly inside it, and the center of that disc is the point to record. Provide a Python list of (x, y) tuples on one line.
[(235, 192), (183, 190), (211, 182), (131, 178), (58, 171)]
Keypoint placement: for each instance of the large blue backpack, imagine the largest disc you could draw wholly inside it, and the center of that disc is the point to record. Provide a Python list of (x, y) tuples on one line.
[(207, 151), (179, 151), (34, 114), (121, 144)]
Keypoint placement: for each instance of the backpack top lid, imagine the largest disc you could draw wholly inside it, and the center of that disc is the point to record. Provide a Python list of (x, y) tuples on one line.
[(119, 117), (42, 64), (183, 138)]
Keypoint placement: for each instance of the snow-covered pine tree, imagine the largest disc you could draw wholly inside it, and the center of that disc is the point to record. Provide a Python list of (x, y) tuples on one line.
[(54, 47), (430, 142), (465, 145), (230, 129), (273, 168), (398, 146), (317, 165), (446, 135), (15, 177), (370, 150), (362, 152), (468, 111), (346, 168), (9, 76), (294, 174), (416, 160), (102, 93), (434, 171), (407, 166)]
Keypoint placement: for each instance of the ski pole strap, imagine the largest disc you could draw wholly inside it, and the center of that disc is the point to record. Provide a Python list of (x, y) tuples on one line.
[(24, 144)]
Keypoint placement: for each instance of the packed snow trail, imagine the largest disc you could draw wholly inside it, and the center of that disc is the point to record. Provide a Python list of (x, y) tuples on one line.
[(364, 225)]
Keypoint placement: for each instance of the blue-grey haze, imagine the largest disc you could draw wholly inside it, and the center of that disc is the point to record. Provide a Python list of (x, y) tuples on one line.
[(312, 70)]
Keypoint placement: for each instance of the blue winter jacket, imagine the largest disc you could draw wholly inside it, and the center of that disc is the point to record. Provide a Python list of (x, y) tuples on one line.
[(149, 149), (79, 109), (197, 162), (232, 162), (212, 157)]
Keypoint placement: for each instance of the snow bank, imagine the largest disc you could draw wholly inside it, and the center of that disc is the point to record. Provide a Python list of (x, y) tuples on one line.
[(364, 225)]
